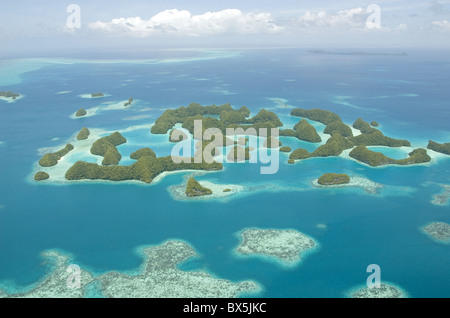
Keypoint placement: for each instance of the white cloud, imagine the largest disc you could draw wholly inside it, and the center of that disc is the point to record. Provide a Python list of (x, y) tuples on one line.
[(442, 25), (352, 18), (230, 21)]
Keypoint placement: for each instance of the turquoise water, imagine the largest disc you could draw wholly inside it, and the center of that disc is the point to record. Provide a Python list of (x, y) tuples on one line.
[(102, 224)]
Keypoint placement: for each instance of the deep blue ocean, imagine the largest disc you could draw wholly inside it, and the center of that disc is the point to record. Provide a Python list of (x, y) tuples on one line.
[(101, 225)]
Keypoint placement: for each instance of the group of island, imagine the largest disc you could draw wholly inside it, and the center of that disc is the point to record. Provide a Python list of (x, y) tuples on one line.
[(82, 112)]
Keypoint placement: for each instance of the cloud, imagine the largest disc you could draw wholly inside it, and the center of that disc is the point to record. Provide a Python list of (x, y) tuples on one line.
[(345, 19), (442, 25), (183, 23)]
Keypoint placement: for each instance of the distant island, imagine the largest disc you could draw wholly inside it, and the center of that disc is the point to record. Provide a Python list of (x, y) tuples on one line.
[(195, 189), (333, 179), (9, 94), (41, 175), (96, 95), (83, 134), (128, 103), (356, 53), (375, 159)]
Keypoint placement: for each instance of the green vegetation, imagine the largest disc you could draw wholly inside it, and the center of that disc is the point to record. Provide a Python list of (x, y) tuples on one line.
[(374, 124), (306, 132), (285, 149), (377, 138), (195, 189), (182, 136), (239, 154), (265, 116), (288, 133), (51, 159), (372, 158), (83, 134), (373, 137), (145, 169), (291, 161), (41, 175), (142, 153), (227, 190), (339, 127), (272, 142), (233, 117), (106, 147), (334, 179), (128, 103), (299, 154), (97, 95), (442, 148), (81, 112), (9, 94), (323, 116)]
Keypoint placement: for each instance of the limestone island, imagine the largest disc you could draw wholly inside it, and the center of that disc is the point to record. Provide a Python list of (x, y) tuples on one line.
[(333, 179), (128, 103), (385, 291), (177, 135), (442, 148), (439, 231), (272, 142), (9, 94), (83, 134), (285, 149), (81, 112), (51, 159), (106, 147), (283, 245), (195, 189), (374, 124), (41, 175), (239, 154), (375, 159), (97, 95)]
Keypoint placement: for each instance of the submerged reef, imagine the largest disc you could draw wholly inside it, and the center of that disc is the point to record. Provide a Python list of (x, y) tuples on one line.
[(283, 245), (333, 179), (439, 231), (51, 159), (195, 189), (157, 277), (384, 291), (442, 198), (375, 159), (442, 148)]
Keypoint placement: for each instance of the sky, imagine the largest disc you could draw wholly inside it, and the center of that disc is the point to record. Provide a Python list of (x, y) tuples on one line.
[(56, 27)]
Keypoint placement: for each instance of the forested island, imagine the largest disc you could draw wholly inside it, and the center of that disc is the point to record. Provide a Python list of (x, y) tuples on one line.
[(195, 189), (51, 159), (333, 179), (81, 112), (9, 94), (442, 148)]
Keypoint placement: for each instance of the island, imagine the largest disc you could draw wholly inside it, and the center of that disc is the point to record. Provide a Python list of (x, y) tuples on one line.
[(375, 159), (181, 136), (239, 154), (41, 175), (373, 137), (322, 116), (306, 132), (142, 153), (334, 146), (81, 112), (384, 291), (374, 124), (195, 189), (339, 127), (441, 148), (439, 231), (9, 94), (285, 149), (83, 134), (128, 103), (96, 95), (272, 142), (51, 159), (106, 147), (285, 246), (333, 179)]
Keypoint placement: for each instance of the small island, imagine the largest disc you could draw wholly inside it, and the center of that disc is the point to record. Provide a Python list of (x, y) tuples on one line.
[(9, 94), (272, 142), (128, 103), (374, 124), (306, 132), (106, 147), (41, 175), (83, 134), (239, 154), (285, 149), (97, 95), (439, 231), (441, 148), (375, 159), (81, 112), (51, 159), (333, 179), (283, 245), (195, 189), (180, 134)]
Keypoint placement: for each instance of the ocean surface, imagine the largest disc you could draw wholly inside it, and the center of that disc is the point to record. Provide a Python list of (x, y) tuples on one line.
[(102, 224)]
